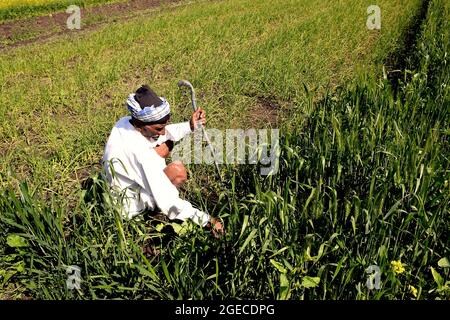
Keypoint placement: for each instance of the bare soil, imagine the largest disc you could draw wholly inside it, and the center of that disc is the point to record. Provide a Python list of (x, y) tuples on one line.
[(36, 29)]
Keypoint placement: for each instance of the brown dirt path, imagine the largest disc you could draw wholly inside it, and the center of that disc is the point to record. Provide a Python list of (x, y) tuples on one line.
[(35, 29)]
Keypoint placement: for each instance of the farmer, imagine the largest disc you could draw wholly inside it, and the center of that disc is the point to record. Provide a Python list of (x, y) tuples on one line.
[(135, 164)]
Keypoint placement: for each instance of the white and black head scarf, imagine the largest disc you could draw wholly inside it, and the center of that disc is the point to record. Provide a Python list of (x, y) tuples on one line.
[(149, 108)]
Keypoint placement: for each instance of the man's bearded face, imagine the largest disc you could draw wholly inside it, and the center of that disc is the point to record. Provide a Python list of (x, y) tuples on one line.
[(153, 131)]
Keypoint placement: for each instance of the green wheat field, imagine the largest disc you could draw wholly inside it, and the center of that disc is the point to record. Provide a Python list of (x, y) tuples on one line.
[(364, 164)]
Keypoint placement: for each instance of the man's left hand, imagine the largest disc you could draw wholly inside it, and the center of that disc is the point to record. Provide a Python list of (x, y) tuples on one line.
[(164, 149), (198, 118), (216, 227)]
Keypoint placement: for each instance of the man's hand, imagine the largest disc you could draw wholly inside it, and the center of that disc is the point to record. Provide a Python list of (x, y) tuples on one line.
[(216, 227), (164, 149), (198, 118)]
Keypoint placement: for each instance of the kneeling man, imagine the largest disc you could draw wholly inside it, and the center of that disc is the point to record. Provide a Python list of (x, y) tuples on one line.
[(135, 165)]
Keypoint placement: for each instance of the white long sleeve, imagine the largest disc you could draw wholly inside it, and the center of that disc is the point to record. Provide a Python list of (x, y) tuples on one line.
[(178, 131), (175, 132)]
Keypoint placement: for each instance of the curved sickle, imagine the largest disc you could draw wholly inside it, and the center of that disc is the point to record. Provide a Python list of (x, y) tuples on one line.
[(185, 83)]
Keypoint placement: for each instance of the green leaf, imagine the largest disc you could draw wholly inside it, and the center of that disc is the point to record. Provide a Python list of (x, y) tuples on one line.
[(310, 282), (444, 263), (247, 241), (145, 272), (177, 228), (166, 271), (307, 255), (20, 266), (244, 225), (284, 287), (16, 241), (278, 266), (9, 257), (279, 251), (437, 277)]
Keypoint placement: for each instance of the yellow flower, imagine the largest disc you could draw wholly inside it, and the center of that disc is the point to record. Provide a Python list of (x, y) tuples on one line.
[(413, 291), (397, 266)]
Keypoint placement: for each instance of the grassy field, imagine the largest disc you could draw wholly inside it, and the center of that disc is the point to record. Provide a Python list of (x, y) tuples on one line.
[(364, 167), (18, 9), (76, 84)]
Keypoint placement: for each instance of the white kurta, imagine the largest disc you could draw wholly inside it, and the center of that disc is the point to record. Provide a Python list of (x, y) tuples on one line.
[(135, 170)]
